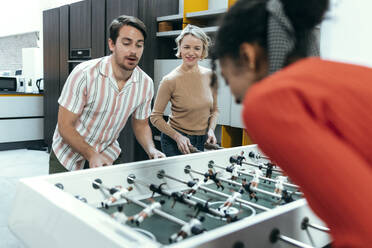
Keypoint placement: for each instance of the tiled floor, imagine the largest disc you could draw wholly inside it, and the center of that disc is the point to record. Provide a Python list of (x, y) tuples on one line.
[(16, 164)]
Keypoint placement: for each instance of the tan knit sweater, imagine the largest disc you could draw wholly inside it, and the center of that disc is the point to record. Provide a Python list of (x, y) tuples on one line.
[(194, 103)]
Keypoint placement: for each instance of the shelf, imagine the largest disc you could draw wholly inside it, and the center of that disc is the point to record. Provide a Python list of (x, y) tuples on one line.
[(175, 33), (210, 29), (169, 33), (76, 60), (177, 17), (206, 14)]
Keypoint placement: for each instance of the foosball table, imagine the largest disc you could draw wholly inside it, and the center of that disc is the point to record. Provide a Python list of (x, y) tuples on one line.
[(231, 197)]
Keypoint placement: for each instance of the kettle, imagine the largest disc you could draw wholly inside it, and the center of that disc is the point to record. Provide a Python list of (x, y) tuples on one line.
[(38, 85)]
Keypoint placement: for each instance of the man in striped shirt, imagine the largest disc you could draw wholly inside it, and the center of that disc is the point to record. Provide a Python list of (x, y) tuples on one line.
[(97, 99)]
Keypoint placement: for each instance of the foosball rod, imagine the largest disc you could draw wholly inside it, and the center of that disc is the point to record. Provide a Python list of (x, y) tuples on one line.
[(259, 166), (188, 170), (306, 223), (157, 211), (250, 174), (132, 179), (239, 184), (220, 194)]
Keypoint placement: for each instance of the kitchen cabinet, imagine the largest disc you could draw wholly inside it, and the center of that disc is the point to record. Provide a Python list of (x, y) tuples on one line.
[(115, 8), (87, 27), (22, 123), (81, 25), (51, 22), (63, 45), (98, 28)]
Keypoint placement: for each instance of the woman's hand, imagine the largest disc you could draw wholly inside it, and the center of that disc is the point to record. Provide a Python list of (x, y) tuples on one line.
[(211, 137), (183, 143)]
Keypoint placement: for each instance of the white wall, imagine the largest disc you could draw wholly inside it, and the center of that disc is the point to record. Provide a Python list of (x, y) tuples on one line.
[(21, 16), (346, 33)]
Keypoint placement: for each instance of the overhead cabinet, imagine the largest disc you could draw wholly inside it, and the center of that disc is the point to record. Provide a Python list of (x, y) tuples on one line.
[(86, 25), (81, 25)]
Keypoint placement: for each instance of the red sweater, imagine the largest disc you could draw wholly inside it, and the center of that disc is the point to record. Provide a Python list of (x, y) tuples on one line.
[(314, 118)]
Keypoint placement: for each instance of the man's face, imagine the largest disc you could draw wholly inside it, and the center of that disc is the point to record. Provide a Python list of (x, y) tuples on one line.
[(128, 49)]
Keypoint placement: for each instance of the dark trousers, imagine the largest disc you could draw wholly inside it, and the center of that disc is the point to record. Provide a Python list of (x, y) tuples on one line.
[(170, 148), (56, 167)]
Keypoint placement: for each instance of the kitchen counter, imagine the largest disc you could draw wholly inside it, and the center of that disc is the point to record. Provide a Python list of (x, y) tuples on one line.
[(11, 93), (21, 120)]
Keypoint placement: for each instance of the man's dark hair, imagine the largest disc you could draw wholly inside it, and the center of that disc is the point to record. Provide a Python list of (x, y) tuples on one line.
[(125, 20)]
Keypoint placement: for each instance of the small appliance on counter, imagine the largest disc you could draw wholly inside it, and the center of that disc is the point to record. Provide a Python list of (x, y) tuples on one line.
[(29, 86), (12, 84), (40, 85)]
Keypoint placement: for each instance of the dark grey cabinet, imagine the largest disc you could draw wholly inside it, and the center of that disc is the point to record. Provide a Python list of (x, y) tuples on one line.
[(87, 26), (149, 10), (63, 45), (81, 25), (51, 45), (98, 28)]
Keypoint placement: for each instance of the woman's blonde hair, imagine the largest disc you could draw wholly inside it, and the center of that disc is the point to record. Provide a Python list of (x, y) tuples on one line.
[(196, 32)]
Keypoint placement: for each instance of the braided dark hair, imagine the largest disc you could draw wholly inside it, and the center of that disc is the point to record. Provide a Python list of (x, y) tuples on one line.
[(247, 21)]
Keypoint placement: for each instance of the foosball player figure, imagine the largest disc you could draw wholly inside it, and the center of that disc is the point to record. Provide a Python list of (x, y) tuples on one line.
[(279, 184), (194, 226), (193, 189), (247, 187), (286, 197), (234, 172), (269, 170), (237, 159), (147, 212), (230, 201), (241, 158), (257, 173), (213, 176), (231, 218), (120, 216), (116, 194)]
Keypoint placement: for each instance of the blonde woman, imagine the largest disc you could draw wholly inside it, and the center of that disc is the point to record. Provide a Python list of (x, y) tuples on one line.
[(194, 105)]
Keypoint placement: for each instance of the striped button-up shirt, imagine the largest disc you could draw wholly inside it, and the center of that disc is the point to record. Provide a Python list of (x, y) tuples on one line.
[(91, 92)]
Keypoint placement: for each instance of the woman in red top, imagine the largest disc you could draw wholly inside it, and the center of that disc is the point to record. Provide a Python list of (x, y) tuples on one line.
[(313, 117)]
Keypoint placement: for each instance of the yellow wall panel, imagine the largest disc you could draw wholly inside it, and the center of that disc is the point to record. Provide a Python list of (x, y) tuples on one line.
[(193, 6), (246, 140), (231, 137), (231, 2)]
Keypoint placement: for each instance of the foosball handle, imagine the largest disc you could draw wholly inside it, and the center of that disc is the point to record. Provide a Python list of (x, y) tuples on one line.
[(193, 149), (210, 146)]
